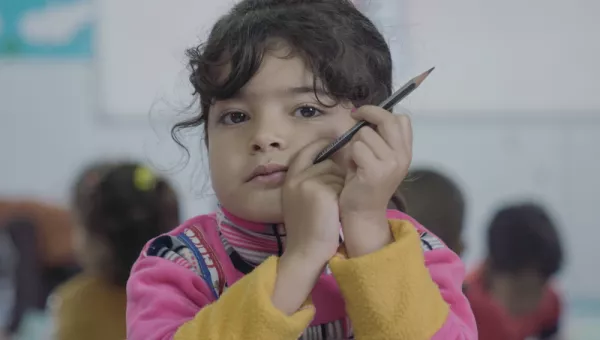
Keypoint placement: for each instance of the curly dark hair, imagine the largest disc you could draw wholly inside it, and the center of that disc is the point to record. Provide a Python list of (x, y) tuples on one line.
[(348, 56), (523, 236), (129, 206)]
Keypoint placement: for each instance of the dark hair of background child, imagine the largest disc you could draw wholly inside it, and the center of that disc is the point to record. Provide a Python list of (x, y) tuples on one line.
[(437, 202), (524, 237), (124, 217), (88, 179), (348, 56)]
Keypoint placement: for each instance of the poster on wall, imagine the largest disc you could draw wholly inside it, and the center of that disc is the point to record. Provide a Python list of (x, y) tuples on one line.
[(46, 29)]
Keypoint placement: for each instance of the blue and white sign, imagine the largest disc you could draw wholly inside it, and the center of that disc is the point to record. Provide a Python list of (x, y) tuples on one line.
[(46, 28)]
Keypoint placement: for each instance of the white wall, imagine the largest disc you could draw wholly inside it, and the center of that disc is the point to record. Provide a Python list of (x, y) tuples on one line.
[(50, 127)]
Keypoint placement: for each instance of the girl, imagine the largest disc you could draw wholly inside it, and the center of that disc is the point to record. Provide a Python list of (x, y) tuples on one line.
[(277, 80), (119, 208)]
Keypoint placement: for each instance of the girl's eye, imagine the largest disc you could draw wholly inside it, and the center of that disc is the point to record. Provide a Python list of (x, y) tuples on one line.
[(307, 112), (232, 118)]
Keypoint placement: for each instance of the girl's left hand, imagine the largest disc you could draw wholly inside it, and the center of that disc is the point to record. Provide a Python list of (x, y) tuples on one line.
[(378, 162)]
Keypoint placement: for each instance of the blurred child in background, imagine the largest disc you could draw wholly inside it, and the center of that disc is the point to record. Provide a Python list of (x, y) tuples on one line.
[(40, 238), (511, 294), (120, 208), (437, 202)]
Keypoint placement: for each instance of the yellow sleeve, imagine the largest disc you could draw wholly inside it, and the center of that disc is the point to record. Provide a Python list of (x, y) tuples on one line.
[(389, 294), (245, 311)]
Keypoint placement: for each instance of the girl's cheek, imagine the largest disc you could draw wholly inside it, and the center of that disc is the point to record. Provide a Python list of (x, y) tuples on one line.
[(327, 131)]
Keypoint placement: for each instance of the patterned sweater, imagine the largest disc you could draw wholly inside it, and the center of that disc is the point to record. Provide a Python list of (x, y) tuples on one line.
[(198, 283)]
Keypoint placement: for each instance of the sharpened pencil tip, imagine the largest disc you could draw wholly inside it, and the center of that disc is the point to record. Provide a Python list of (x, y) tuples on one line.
[(419, 79)]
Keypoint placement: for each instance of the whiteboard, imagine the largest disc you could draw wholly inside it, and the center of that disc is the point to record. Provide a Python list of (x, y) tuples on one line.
[(493, 58)]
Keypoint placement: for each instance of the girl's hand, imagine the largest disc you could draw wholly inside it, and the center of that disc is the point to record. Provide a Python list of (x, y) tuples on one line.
[(310, 206), (312, 223), (379, 161)]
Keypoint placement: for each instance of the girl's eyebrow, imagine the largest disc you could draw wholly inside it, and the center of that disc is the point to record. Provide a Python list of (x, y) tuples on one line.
[(304, 90), (290, 91)]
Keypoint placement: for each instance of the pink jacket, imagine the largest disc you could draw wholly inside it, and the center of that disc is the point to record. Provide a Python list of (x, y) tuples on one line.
[(186, 285)]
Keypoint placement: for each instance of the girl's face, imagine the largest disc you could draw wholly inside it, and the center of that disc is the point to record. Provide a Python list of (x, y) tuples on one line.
[(272, 118)]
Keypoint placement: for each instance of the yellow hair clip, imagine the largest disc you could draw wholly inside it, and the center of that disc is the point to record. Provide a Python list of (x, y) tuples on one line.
[(144, 179)]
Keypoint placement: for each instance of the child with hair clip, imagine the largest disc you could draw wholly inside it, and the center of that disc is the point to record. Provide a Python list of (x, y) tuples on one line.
[(119, 207), (277, 81)]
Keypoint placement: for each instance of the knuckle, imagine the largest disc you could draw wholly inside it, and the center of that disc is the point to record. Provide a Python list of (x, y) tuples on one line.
[(361, 133), (395, 121), (305, 186), (329, 164), (291, 184), (404, 118), (391, 164)]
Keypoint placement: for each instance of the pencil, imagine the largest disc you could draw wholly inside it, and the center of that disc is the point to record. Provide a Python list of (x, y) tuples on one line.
[(387, 104)]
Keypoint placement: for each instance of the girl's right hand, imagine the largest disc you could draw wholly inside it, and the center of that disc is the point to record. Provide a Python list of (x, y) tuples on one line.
[(312, 222), (310, 206)]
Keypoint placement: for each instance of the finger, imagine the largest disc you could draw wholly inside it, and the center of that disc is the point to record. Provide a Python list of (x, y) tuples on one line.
[(305, 157), (362, 155), (325, 181), (334, 182), (332, 179), (375, 142), (328, 166), (407, 133), (337, 187), (372, 114), (386, 124)]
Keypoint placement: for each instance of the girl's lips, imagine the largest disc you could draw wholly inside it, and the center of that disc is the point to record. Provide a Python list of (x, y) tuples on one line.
[(272, 179), (268, 174)]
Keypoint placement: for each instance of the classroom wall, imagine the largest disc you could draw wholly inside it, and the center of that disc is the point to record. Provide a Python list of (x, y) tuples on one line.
[(50, 127)]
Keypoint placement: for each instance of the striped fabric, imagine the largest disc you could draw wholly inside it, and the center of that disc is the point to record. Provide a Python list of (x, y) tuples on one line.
[(255, 247), (430, 242), (332, 330)]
